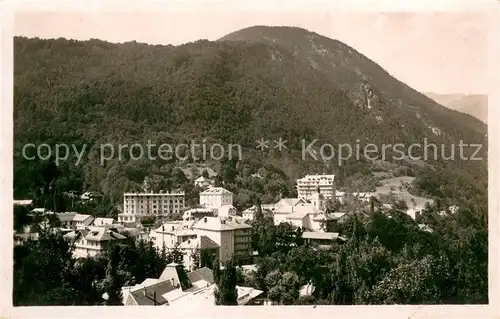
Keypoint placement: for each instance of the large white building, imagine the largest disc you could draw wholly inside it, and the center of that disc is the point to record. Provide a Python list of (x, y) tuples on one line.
[(216, 197), (141, 205), (308, 185)]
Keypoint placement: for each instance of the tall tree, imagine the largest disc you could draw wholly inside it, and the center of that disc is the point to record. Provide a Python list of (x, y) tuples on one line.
[(226, 292)]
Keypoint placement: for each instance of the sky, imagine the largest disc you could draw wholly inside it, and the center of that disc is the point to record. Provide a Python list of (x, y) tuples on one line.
[(440, 52)]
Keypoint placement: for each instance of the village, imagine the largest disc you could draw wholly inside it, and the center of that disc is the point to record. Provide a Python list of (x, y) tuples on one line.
[(213, 228)]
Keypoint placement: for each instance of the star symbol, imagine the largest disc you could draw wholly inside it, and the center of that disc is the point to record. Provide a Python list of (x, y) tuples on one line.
[(280, 144), (262, 144)]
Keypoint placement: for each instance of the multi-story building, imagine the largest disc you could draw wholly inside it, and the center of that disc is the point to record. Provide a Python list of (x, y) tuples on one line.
[(232, 235), (140, 205), (216, 197), (92, 241), (309, 185)]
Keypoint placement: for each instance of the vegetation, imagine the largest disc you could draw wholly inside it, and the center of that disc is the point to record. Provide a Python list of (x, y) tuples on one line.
[(238, 90)]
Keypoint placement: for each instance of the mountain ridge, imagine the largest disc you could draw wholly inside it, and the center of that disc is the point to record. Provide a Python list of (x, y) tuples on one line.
[(300, 86)]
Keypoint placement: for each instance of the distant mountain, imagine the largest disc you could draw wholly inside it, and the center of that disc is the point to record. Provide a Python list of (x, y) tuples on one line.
[(473, 104), (257, 82)]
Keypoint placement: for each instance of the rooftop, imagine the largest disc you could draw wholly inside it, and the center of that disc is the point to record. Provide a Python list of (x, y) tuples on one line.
[(81, 217), (317, 177), (320, 235), (220, 224), (216, 191), (155, 194)]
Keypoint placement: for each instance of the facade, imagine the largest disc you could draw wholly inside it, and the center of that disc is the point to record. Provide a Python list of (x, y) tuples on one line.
[(92, 241), (142, 205), (81, 221), (308, 185), (233, 236), (300, 213), (196, 214), (99, 222), (216, 197), (66, 219)]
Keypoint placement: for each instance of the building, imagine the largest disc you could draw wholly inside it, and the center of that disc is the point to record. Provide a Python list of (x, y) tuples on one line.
[(203, 182), (23, 202), (199, 248), (322, 239), (216, 197), (196, 214), (232, 235), (175, 287), (144, 205), (81, 221), (91, 241), (310, 215), (66, 219), (99, 222), (308, 185)]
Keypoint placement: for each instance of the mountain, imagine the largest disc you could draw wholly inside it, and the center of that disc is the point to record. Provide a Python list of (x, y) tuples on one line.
[(472, 104), (258, 82)]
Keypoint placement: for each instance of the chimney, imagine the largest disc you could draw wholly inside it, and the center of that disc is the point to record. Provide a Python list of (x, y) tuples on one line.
[(205, 219)]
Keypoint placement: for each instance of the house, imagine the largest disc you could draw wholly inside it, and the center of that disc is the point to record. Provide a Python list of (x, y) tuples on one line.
[(99, 221), (81, 221), (203, 182), (322, 239), (216, 197), (90, 196), (196, 248), (175, 287), (171, 234), (308, 215), (66, 219), (196, 214), (91, 241), (267, 209)]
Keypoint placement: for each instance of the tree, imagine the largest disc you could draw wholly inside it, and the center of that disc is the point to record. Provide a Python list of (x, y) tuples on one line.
[(226, 292), (112, 283)]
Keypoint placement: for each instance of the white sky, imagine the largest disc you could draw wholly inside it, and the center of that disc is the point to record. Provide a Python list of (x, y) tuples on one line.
[(436, 52)]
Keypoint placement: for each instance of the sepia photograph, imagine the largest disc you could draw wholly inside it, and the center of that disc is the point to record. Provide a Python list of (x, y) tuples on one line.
[(231, 157)]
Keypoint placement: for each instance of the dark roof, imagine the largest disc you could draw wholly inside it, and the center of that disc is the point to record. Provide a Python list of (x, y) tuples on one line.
[(202, 274), (207, 243), (160, 288)]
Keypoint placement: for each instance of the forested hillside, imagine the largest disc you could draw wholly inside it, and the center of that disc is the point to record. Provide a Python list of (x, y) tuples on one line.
[(257, 82)]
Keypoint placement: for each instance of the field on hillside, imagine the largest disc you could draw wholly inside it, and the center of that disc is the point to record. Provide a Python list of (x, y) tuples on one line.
[(399, 186)]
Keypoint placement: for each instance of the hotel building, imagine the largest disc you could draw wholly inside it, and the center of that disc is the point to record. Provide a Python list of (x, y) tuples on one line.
[(308, 185), (141, 205)]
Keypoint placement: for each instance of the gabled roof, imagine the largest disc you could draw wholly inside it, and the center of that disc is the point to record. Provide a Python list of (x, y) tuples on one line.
[(81, 217), (140, 296), (95, 234), (207, 243), (290, 202), (216, 191), (66, 217), (201, 274)]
